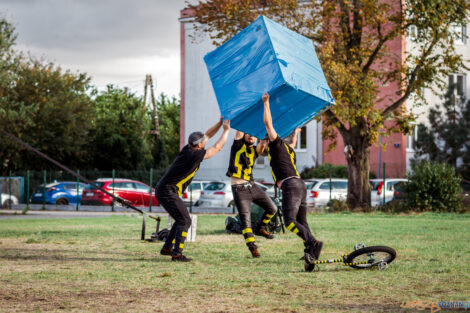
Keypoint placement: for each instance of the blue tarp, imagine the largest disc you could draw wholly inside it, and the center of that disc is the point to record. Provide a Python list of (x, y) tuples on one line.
[(268, 57)]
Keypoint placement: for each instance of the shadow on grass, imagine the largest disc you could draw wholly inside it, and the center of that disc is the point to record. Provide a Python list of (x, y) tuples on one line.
[(51, 255)]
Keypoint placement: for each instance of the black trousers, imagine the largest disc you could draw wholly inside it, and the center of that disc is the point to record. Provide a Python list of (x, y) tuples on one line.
[(294, 209), (244, 195), (168, 197)]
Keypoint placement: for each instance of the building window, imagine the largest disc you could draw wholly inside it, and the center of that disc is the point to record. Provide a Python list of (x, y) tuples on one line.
[(458, 82), (302, 140), (411, 139), (460, 34)]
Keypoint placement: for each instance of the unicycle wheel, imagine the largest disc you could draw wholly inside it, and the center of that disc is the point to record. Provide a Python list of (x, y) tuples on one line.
[(368, 257)]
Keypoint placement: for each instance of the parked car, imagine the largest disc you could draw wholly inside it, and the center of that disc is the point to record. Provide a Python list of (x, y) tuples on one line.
[(6, 200), (318, 190), (197, 187), (219, 194), (377, 189), (136, 192), (58, 193)]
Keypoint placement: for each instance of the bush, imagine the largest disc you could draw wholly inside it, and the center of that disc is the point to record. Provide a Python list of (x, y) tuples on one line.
[(394, 207), (323, 171), (336, 205), (433, 187)]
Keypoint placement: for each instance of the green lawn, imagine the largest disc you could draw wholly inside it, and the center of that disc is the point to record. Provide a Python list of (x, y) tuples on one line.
[(100, 265)]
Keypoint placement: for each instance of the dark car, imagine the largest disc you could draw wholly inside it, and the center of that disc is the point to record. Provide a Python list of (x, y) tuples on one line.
[(58, 193), (136, 192)]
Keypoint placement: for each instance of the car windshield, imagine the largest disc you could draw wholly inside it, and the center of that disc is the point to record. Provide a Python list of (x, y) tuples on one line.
[(97, 183), (375, 184), (214, 186), (310, 184)]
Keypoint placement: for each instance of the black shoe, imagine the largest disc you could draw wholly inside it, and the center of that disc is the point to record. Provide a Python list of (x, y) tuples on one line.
[(165, 251), (314, 249), (180, 258), (317, 249), (254, 251), (261, 231)]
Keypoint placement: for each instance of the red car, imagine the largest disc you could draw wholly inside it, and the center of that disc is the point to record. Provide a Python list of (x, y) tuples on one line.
[(137, 193)]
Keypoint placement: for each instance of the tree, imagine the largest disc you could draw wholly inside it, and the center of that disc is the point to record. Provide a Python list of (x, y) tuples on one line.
[(448, 133), (354, 43), (119, 131), (44, 106), (169, 118)]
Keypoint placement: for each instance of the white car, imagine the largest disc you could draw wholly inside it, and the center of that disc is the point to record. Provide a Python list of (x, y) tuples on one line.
[(6, 200), (219, 194), (376, 194), (193, 192), (318, 190), (216, 194)]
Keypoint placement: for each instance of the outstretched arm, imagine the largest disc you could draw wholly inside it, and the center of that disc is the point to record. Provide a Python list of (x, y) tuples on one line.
[(213, 130), (239, 135), (267, 118), (220, 143), (293, 144), (261, 146)]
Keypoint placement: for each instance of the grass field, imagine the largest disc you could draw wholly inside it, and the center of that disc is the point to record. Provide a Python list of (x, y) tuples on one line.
[(100, 265)]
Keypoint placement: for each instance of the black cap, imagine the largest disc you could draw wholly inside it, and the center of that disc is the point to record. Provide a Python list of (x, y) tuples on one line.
[(195, 138)]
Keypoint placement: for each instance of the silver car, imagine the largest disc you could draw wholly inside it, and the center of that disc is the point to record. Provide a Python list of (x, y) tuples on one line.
[(219, 194), (216, 194), (377, 190), (193, 192), (318, 190)]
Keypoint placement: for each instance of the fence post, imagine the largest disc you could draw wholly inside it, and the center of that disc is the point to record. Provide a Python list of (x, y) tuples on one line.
[(9, 190), (385, 189), (151, 194), (78, 190), (27, 190), (330, 181), (44, 181), (191, 198), (112, 203)]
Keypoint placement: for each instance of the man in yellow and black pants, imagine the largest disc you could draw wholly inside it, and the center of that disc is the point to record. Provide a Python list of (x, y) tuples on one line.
[(242, 157), (175, 181), (294, 208)]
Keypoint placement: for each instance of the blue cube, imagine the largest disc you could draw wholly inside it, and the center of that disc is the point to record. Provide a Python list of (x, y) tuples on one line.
[(268, 57)]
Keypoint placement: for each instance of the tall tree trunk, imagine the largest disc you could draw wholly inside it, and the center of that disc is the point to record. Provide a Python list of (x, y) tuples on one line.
[(358, 155)]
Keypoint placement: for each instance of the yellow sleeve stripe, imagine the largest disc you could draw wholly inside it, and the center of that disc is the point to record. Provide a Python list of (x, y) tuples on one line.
[(248, 240), (291, 225), (247, 230), (270, 215), (184, 234)]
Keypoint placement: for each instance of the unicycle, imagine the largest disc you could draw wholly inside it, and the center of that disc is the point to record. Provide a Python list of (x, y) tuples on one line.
[(361, 258)]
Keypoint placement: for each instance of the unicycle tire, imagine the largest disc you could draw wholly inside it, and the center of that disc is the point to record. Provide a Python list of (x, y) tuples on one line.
[(373, 255)]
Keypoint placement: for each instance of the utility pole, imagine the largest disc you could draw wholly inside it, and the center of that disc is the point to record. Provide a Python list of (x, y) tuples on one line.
[(149, 84)]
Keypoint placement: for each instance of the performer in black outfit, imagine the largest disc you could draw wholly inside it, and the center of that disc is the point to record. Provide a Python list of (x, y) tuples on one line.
[(242, 157), (175, 181), (294, 207)]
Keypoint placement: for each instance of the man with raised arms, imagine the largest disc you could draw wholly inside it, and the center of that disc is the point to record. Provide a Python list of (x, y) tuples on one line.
[(240, 170), (282, 159), (177, 178)]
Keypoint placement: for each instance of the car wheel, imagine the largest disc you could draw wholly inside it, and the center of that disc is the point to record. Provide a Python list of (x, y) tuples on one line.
[(62, 201)]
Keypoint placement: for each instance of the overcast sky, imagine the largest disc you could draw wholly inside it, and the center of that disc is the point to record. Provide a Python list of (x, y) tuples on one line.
[(114, 41)]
